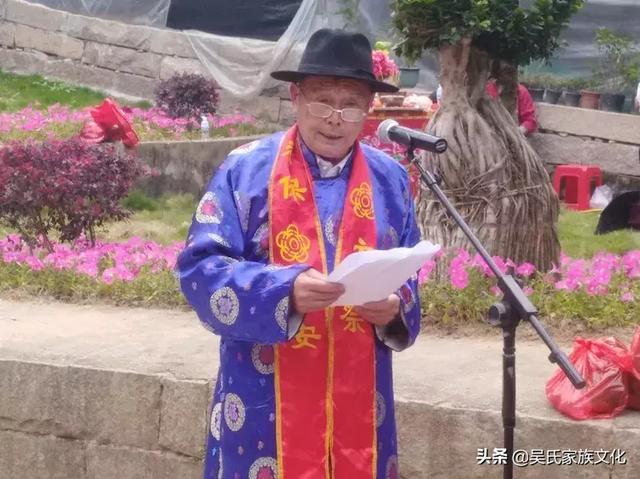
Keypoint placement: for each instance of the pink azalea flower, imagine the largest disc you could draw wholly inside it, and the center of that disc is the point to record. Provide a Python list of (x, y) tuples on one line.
[(627, 297), (34, 263), (89, 268), (425, 271), (458, 276), (124, 274), (109, 275), (484, 267), (526, 269), (124, 260)]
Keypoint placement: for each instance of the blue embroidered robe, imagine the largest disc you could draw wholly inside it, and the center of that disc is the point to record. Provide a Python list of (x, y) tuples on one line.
[(224, 274)]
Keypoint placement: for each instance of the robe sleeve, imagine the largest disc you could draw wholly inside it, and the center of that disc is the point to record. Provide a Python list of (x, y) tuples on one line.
[(234, 298), (402, 332)]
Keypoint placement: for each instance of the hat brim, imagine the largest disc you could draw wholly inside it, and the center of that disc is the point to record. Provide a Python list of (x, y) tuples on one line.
[(296, 76)]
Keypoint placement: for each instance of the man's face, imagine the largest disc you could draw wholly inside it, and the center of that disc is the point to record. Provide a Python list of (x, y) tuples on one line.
[(331, 137)]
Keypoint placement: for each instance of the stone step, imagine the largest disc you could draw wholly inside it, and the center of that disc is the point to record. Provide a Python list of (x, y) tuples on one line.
[(97, 391)]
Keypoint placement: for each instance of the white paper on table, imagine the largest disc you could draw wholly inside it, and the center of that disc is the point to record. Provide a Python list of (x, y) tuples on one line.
[(373, 275)]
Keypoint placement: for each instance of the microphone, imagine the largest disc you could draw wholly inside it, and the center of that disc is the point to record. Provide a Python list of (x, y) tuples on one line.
[(391, 131)]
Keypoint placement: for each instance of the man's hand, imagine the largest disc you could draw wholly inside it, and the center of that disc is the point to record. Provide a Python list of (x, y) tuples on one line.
[(312, 291), (380, 313)]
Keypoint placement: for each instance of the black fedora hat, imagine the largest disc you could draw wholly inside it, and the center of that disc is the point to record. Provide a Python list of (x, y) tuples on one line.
[(337, 53)]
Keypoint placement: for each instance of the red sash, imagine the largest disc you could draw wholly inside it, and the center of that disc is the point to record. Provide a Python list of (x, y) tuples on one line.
[(325, 376)]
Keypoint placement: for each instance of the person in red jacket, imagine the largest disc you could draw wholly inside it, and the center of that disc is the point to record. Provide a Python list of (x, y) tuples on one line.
[(526, 108)]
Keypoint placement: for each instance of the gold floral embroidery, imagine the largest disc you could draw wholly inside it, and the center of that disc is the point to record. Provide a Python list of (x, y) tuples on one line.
[(294, 246), (362, 201)]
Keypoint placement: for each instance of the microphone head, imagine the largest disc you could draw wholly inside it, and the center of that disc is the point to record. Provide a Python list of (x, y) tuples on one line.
[(384, 128)]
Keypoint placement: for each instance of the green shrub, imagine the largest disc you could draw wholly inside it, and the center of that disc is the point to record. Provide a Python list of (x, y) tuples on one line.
[(137, 200)]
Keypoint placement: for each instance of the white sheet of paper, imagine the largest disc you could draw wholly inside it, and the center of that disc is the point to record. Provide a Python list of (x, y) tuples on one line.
[(373, 275)]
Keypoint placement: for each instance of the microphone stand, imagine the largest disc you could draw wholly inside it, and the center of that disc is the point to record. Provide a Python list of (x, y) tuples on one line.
[(506, 314)]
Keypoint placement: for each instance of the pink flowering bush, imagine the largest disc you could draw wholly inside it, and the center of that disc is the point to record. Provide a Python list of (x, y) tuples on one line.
[(153, 124), (136, 271), (69, 187), (598, 292), (384, 68)]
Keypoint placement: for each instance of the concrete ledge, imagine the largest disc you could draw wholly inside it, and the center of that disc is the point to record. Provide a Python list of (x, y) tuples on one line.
[(618, 127), (104, 392), (184, 166), (33, 456), (80, 403), (614, 158)]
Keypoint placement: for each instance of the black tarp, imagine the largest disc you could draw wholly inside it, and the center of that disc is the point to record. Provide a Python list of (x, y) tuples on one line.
[(622, 213), (261, 19)]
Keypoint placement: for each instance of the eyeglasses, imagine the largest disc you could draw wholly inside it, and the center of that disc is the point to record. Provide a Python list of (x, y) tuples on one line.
[(322, 110)]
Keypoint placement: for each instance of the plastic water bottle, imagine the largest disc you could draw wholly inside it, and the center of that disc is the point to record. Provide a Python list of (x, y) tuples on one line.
[(204, 127)]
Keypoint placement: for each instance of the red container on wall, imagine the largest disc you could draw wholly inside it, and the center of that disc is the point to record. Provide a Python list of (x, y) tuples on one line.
[(413, 118)]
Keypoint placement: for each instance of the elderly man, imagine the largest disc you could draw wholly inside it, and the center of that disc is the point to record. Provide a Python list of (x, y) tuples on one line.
[(304, 389)]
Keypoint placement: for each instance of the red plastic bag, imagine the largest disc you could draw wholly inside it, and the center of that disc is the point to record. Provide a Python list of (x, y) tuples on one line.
[(109, 124), (92, 132), (604, 364), (634, 376)]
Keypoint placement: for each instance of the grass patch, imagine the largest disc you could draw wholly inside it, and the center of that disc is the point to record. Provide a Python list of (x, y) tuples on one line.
[(19, 91), (148, 289), (578, 240), (138, 201), (163, 220), (166, 220)]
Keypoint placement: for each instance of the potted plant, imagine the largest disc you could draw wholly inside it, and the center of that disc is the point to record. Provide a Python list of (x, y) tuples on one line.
[(385, 69), (534, 84), (617, 68), (589, 97), (542, 87), (571, 91), (552, 89), (409, 76)]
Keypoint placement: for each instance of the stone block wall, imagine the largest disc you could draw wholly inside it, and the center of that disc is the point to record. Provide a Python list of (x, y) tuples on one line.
[(118, 58), (612, 143), (62, 422), (590, 137)]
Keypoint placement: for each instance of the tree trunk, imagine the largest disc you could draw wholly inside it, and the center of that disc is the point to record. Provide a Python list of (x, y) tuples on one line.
[(529, 204), (507, 76), (490, 173), (472, 168)]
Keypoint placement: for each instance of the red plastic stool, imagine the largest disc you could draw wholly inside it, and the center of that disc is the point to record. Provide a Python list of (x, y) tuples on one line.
[(574, 184)]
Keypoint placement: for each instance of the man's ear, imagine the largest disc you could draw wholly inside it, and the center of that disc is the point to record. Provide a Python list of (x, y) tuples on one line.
[(372, 98), (294, 93)]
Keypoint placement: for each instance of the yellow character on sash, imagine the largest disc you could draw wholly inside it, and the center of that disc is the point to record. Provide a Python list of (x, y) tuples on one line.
[(353, 320), (304, 337), (292, 189), (361, 245)]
